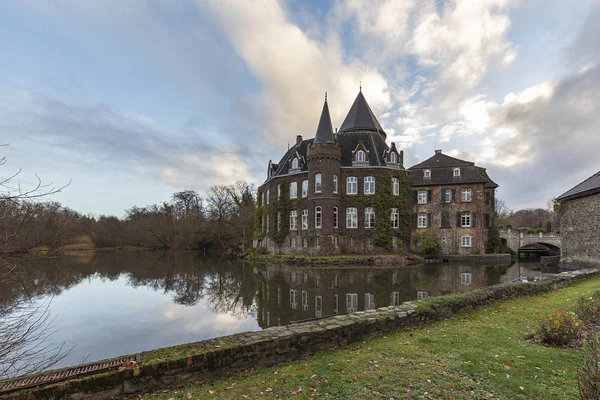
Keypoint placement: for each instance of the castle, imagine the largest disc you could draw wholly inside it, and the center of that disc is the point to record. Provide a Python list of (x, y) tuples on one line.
[(349, 192)]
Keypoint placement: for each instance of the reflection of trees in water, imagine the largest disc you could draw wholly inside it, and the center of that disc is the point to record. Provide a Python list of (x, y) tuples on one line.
[(186, 277)]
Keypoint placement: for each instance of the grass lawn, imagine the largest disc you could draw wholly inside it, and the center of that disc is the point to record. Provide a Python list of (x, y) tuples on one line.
[(477, 355)]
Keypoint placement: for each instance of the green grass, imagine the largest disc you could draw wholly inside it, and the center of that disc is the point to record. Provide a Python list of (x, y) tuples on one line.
[(476, 355)]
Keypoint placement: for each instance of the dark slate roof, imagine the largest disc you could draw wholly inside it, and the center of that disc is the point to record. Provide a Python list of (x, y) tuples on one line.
[(442, 172), (374, 144), (324, 129), (586, 188), (361, 117), (284, 164)]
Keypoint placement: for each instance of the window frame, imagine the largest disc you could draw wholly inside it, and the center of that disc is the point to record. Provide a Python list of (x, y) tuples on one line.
[(360, 154), (395, 218), (318, 182), (352, 182), (427, 174), (420, 218), (466, 195), (466, 278), (268, 192), (369, 217), (318, 217), (295, 163), (294, 220), (466, 241), (305, 188), (369, 185), (393, 158), (293, 190), (335, 184), (351, 218), (304, 223), (421, 196), (456, 172), (395, 187), (335, 217), (466, 219), (293, 242)]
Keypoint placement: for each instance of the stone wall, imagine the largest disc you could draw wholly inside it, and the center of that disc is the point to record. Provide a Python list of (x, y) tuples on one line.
[(548, 261), (191, 362), (580, 229), (489, 259)]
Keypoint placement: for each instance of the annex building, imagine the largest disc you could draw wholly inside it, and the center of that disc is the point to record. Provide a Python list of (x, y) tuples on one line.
[(349, 192)]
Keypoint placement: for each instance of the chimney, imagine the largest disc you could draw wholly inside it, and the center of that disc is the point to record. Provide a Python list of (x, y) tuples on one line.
[(401, 157), (298, 139), (438, 151)]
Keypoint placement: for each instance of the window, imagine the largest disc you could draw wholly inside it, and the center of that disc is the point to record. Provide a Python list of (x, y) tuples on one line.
[(263, 198), (486, 220), (369, 217), (335, 183), (422, 220), (304, 242), (304, 219), (335, 217), (304, 300), (304, 188), (294, 190), (422, 197), (292, 276), (445, 220), (267, 224), (465, 220), (395, 186), (395, 277), (393, 158), (335, 303), (395, 217), (295, 163), (351, 242), (427, 174), (278, 221), (456, 172), (465, 278), (318, 217), (293, 301), (395, 298), (351, 185), (267, 196), (369, 301), (361, 156), (351, 218), (336, 242), (465, 195), (318, 183), (447, 195), (465, 241), (318, 241), (351, 302), (369, 244), (318, 306), (369, 185), (293, 242), (278, 191), (293, 221), (394, 242), (422, 295)]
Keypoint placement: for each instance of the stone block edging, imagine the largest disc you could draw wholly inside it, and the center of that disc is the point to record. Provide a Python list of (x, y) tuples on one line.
[(217, 357)]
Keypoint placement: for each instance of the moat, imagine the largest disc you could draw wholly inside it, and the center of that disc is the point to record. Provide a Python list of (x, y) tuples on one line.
[(112, 303)]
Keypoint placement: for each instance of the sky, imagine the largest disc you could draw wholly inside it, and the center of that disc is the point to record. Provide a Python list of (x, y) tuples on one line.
[(131, 101)]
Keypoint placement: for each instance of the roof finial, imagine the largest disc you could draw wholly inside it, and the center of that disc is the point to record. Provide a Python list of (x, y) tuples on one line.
[(360, 86), (325, 97)]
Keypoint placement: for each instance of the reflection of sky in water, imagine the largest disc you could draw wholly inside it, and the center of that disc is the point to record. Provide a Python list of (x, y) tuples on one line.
[(109, 318)]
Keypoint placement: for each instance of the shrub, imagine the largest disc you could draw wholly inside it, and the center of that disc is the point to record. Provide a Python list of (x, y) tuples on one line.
[(588, 308), (429, 247), (589, 374), (560, 328)]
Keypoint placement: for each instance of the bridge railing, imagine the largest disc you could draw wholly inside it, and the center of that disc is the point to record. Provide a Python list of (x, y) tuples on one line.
[(522, 235)]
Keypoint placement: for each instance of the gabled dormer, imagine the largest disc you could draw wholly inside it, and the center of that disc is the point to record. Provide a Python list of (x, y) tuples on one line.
[(393, 157), (360, 155), (296, 162)]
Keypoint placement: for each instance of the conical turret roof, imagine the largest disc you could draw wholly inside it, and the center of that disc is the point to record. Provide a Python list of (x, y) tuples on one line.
[(361, 117), (324, 129)]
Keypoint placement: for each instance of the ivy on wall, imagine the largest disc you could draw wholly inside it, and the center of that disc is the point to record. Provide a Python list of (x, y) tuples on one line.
[(383, 201), (281, 206), (258, 217)]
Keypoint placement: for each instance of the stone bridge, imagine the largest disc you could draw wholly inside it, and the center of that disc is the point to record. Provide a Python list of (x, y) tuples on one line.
[(535, 242)]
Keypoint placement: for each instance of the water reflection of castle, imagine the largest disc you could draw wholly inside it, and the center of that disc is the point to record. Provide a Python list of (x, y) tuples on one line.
[(287, 294)]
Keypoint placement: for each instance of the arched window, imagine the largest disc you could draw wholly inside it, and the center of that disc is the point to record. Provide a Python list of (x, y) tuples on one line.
[(360, 156), (318, 183), (295, 163), (393, 158), (335, 183), (318, 217)]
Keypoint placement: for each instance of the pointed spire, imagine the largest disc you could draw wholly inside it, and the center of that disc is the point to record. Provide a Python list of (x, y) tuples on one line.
[(324, 129), (360, 117)]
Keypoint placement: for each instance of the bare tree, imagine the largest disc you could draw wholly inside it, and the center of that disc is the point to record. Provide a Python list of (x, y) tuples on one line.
[(25, 325)]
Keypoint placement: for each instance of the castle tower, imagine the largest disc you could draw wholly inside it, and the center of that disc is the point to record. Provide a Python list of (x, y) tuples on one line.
[(324, 158)]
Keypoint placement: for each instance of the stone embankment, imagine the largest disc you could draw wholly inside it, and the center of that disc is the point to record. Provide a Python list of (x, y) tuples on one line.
[(212, 358)]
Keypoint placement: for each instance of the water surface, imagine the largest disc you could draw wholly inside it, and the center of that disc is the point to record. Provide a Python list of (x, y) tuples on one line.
[(112, 303)]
